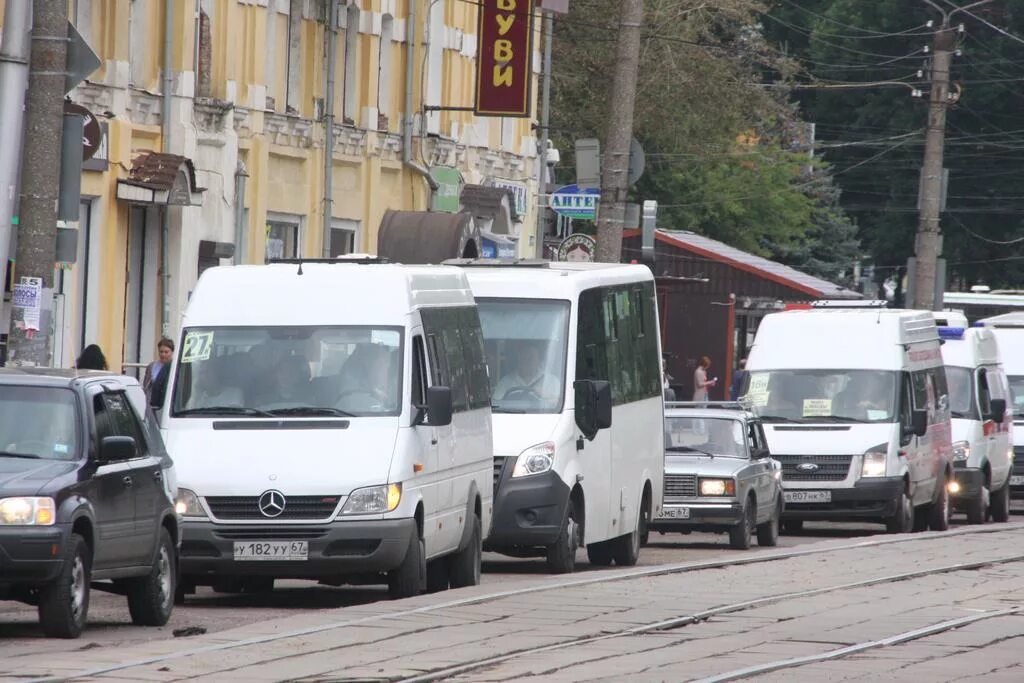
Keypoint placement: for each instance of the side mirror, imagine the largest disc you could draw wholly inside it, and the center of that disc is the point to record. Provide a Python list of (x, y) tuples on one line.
[(762, 453), (593, 403), (439, 406), (998, 410), (117, 449), (919, 422)]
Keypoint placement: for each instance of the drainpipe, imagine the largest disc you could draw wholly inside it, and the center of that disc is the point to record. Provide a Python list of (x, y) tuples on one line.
[(407, 125), (330, 55), (168, 88), (240, 175)]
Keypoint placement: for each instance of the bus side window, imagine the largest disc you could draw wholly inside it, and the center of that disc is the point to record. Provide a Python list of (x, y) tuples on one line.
[(419, 372)]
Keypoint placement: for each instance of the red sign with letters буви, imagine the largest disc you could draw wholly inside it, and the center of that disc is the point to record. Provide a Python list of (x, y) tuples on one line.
[(504, 56)]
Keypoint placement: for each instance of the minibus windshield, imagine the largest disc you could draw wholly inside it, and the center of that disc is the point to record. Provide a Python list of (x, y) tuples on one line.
[(525, 343), (289, 372), (961, 392), (823, 395)]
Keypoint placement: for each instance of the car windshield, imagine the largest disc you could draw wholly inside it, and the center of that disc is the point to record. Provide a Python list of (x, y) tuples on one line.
[(38, 422), (714, 436), (525, 343), (1017, 394), (961, 392), (289, 371), (823, 395)]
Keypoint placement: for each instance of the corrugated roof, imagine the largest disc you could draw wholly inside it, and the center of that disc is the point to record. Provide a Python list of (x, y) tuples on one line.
[(158, 171), (723, 253)]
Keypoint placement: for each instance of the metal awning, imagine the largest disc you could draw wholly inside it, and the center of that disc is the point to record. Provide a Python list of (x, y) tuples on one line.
[(162, 179), (426, 237), (493, 206)]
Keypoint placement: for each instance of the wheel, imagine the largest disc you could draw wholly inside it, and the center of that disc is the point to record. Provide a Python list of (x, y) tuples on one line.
[(921, 516), (977, 508), (64, 604), (792, 526), (938, 516), (437, 575), (768, 533), (409, 578), (151, 597), (903, 520), (626, 549), (739, 535), (464, 566), (561, 555), (600, 554), (999, 505)]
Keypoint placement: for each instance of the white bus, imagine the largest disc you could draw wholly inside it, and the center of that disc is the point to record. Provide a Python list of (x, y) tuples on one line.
[(574, 355)]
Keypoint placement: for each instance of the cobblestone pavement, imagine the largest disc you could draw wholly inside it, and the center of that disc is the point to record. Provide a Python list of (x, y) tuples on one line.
[(598, 626)]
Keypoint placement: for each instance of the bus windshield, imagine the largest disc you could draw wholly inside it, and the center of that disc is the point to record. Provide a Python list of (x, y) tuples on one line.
[(961, 392), (823, 395), (525, 343)]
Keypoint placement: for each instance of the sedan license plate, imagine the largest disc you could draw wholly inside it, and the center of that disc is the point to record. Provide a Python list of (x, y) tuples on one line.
[(257, 551), (1017, 481), (807, 496), (675, 513)]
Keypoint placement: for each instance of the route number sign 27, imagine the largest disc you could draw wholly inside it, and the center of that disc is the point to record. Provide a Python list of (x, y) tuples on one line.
[(197, 347)]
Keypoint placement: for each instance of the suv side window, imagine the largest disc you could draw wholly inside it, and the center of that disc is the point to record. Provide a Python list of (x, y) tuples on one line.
[(123, 421)]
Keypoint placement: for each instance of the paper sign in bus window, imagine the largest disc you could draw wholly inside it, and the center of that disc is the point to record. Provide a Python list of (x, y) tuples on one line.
[(758, 383), (197, 347), (817, 407), (757, 399)]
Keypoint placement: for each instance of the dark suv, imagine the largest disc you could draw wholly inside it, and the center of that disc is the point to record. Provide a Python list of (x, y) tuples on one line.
[(85, 495)]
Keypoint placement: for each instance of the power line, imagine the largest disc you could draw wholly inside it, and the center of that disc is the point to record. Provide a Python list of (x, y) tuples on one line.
[(879, 34)]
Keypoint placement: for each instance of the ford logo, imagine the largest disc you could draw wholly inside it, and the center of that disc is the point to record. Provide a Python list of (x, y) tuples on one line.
[(807, 467)]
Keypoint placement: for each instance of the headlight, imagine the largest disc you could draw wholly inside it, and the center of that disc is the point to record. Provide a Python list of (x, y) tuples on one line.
[(874, 461), (717, 487), (961, 450), (188, 505), (535, 460), (373, 500), (28, 511)]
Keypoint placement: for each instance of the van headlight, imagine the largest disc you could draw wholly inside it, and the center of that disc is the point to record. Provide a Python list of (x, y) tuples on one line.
[(187, 504), (535, 460), (28, 511), (961, 450), (373, 500), (874, 461)]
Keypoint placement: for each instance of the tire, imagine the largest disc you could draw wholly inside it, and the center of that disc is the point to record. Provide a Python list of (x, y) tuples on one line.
[(922, 514), (792, 526), (768, 533), (437, 575), (600, 554), (976, 508), (903, 520), (626, 549), (739, 535), (64, 604), (561, 555), (151, 597), (938, 516), (999, 505), (464, 566), (410, 577)]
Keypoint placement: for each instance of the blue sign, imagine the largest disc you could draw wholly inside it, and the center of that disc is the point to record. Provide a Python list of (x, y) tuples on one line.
[(497, 248), (573, 202)]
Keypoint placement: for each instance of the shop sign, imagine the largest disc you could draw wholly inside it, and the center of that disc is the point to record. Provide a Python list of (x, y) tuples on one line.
[(447, 198), (572, 201), (519, 191), (503, 59)]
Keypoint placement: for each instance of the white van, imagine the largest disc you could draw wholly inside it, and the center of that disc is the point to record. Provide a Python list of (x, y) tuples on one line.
[(1009, 331), (982, 443), (855, 407), (331, 421), (574, 354)]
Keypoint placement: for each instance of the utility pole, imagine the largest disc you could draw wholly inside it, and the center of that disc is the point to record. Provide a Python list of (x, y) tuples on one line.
[(543, 133), (14, 54), (40, 182), (619, 135)]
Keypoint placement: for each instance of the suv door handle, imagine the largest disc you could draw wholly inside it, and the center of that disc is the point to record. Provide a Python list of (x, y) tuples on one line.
[(126, 480), (158, 475)]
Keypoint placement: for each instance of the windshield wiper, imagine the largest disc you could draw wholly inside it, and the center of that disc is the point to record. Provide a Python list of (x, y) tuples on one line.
[(688, 449), (27, 456), (223, 410), (778, 418), (502, 409), (316, 411), (836, 418)]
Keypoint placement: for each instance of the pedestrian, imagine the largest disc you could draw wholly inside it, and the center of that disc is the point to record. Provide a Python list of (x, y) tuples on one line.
[(701, 383), (92, 358), (154, 382), (737, 380), (666, 381)]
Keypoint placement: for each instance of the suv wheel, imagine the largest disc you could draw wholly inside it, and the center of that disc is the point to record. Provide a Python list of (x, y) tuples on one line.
[(64, 604), (151, 597)]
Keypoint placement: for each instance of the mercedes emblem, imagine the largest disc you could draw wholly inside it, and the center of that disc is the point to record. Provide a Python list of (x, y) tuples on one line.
[(272, 503)]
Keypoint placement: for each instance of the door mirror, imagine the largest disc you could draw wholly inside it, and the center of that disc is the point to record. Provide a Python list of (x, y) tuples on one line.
[(593, 406), (998, 410), (761, 454), (117, 449), (439, 406), (918, 423)]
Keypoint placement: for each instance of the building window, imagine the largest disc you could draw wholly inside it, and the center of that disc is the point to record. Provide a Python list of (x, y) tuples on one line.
[(294, 94), (435, 63), (351, 63), (138, 55), (384, 76), (277, 55), (283, 237), (344, 237)]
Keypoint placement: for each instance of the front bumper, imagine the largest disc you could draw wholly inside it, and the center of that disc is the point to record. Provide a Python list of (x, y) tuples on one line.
[(335, 549), (971, 481), (31, 555), (703, 516), (868, 499), (529, 511)]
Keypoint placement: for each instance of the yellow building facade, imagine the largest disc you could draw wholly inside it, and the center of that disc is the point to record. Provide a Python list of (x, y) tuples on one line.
[(221, 159)]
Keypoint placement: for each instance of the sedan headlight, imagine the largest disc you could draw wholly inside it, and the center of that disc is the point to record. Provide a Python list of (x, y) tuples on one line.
[(188, 505), (373, 500), (961, 450), (874, 461), (535, 460), (717, 487), (28, 511)]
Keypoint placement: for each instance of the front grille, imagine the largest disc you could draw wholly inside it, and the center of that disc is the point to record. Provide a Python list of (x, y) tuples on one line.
[(276, 533), (680, 486), (499, 467), (830, 467), (295, 507)]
